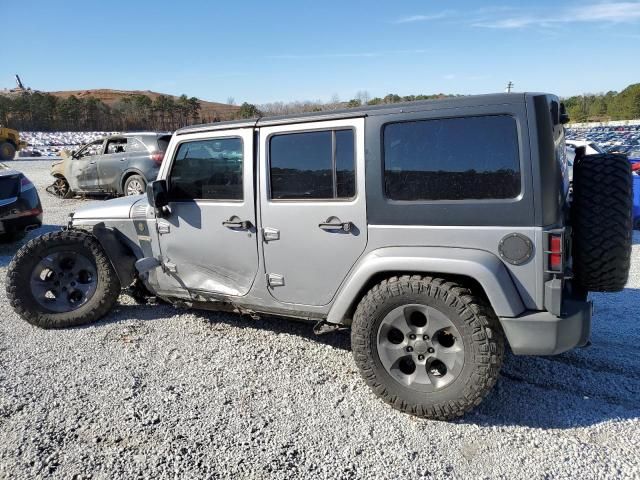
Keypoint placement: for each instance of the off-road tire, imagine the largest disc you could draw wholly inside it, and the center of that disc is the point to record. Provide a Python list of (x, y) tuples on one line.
[(602, 222), (7, 151), (20, 269), (132, 178), (479, 327)]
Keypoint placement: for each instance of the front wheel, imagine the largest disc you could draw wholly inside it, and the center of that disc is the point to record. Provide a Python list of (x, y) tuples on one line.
[(62, 279), (427, 346)]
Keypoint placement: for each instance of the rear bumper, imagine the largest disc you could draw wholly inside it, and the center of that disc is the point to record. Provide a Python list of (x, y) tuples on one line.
[(542, 333)]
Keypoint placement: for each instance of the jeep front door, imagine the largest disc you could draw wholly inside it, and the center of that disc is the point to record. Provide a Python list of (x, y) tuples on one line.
[(208, 238), (313, 207)]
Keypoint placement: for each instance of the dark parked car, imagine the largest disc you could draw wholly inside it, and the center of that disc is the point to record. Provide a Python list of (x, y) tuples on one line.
[(117, 165), (20, 208)]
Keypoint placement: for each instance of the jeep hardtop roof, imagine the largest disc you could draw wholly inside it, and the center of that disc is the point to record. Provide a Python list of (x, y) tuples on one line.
[(442, 103)]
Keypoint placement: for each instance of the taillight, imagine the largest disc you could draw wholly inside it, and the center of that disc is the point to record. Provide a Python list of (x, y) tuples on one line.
[(157, 157), (25, 184), (555, 252)]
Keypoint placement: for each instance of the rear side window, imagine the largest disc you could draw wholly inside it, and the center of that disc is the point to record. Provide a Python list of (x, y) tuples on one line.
[(136, 145), (452, 159), (313, 165), (208, 169)]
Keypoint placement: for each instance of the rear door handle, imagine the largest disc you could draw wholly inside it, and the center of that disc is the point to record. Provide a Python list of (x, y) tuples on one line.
[(334, 223), (235, 222)]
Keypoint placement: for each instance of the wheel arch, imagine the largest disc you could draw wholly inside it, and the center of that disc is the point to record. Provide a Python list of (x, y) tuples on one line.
[(126, 174), (480, 270), (120, 254)]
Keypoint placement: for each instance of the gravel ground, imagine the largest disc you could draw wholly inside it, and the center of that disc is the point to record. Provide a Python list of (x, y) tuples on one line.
[(158, 392)]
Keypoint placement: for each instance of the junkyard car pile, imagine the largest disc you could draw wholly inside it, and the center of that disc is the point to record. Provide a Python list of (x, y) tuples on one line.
[(611, 139), (50, 144)]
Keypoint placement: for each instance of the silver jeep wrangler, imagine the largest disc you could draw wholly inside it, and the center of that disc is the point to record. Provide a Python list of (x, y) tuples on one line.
[(437, 231)]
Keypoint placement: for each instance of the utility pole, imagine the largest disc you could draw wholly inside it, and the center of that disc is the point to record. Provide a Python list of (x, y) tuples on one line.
[(509, 87)]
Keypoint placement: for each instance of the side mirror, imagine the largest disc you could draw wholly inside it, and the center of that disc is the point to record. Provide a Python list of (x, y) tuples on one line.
[(157, 195)]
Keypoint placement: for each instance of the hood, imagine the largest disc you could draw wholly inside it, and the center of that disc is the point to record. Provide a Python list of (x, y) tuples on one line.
[(109, 209)]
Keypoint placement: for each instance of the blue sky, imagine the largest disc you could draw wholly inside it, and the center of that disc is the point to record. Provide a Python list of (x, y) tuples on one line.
[(260, 51)]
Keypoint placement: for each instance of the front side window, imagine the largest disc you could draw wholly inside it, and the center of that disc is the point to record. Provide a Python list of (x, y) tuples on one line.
[(93, 148), (313, 165), (208, 169), (452, 159)]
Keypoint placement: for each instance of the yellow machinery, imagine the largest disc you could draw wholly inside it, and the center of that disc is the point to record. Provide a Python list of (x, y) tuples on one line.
[(9, 143)]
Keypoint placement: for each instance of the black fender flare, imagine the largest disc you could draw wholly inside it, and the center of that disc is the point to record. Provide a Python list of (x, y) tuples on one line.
[(120, 254)]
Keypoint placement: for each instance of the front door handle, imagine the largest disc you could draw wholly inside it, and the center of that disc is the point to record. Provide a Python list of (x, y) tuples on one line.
[(334, 223), (235, 222)]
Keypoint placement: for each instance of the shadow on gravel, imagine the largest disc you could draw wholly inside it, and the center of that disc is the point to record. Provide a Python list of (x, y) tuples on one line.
[(279, 325), (581, 387), (9, 248)]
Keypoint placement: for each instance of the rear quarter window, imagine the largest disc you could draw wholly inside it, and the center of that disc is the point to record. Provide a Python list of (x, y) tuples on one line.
[(163, 142), (452, 159)]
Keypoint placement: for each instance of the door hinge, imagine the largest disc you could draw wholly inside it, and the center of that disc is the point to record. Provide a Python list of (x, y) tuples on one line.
[(169, 267), (163, 228), (269, 234), (275, 280)]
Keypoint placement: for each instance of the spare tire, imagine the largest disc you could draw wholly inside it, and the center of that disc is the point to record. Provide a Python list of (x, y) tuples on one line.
[(602, 221)]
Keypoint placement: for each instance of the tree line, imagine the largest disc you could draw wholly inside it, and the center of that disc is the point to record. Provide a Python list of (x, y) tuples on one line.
[(624, 105), (40, 111)]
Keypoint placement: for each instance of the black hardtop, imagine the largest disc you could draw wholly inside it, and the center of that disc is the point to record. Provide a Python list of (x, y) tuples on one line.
[(438, 104)]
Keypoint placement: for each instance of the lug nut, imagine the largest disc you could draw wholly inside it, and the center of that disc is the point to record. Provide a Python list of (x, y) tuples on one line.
[(409, 349), (425, 337), (431, 350), (412, 337), (420, 357)]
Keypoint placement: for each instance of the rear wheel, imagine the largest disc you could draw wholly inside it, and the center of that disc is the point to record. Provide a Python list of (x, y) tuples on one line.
[(62, 279), (427, 346), (134, 185), (7, 151)]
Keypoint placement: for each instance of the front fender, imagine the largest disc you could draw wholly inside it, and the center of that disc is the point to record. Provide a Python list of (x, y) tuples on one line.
[(484, 267)]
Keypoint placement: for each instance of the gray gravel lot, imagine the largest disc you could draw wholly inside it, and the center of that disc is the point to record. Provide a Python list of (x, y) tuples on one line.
[(158, 392)]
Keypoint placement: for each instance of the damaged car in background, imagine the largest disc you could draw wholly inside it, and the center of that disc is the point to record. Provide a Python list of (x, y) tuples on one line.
[(114, 165)]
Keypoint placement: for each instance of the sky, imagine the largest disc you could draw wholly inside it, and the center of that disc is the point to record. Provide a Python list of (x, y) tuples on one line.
[(266, 51)]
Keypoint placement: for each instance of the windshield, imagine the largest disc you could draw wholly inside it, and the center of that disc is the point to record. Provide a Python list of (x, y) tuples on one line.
[(596, 147)]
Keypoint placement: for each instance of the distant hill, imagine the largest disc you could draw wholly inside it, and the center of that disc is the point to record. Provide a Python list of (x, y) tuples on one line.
[(208, 110)]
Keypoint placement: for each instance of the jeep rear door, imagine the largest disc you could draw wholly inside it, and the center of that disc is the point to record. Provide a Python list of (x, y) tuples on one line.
[(313, 207), (208, 238)]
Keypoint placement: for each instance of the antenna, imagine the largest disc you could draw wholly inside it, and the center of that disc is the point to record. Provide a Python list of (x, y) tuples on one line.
[(509, 87)]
